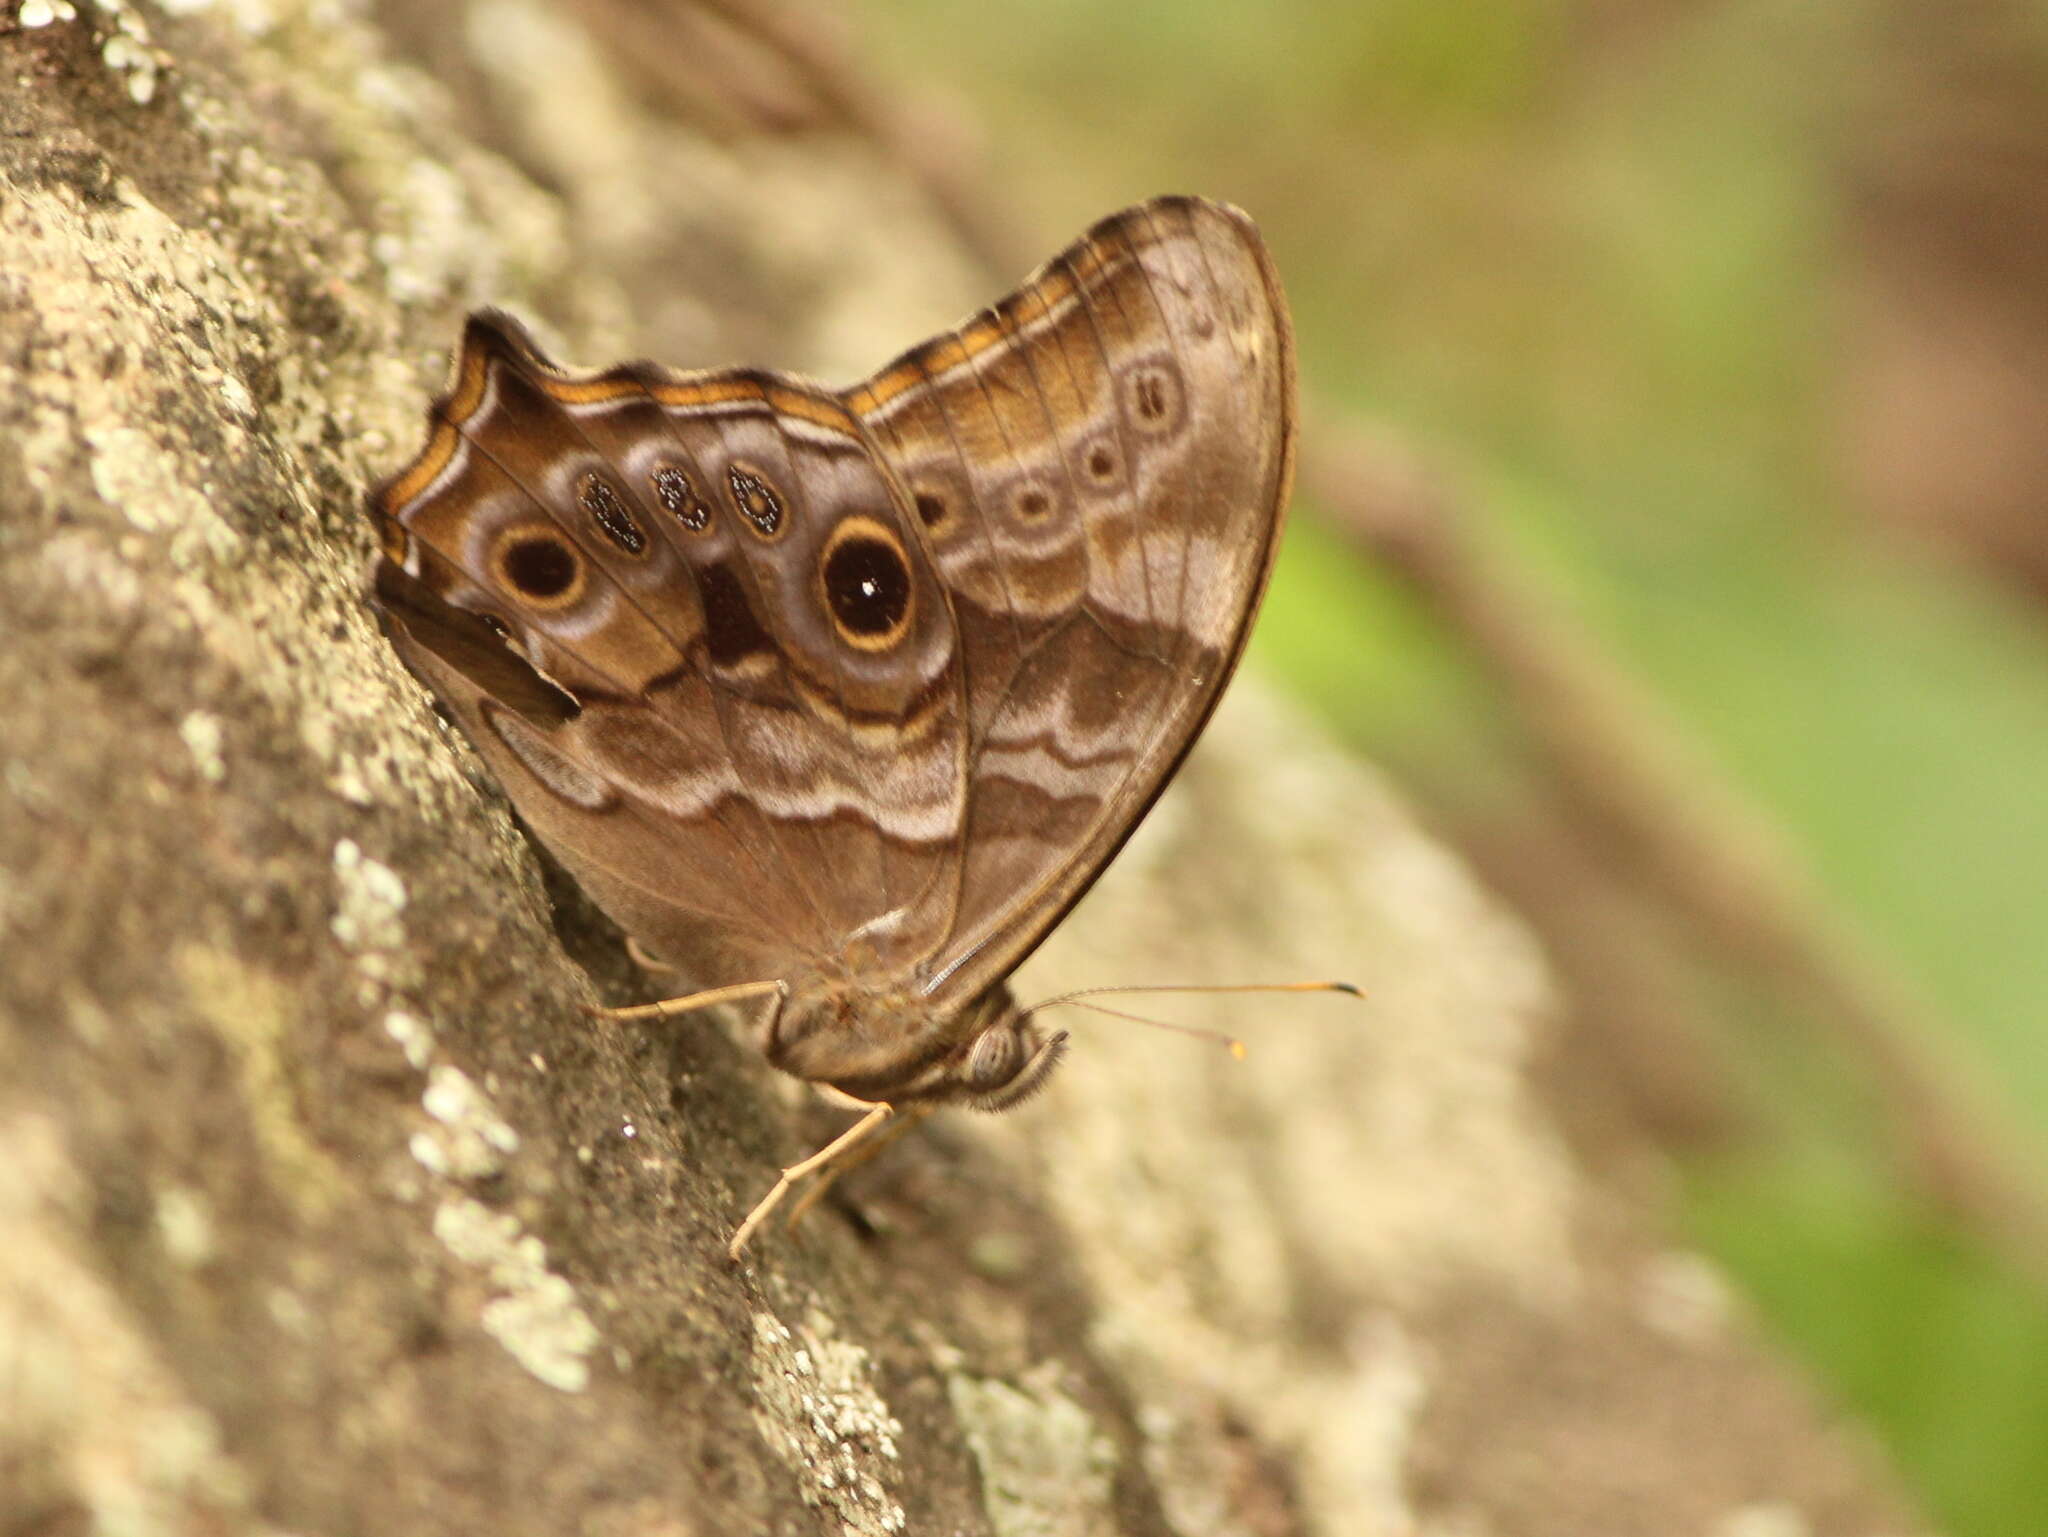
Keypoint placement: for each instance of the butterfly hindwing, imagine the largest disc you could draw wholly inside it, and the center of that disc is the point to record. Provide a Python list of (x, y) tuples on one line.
[(1101, 463)]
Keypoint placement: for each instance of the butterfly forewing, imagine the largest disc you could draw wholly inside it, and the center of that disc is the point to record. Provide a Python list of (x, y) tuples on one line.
[(730, 787)]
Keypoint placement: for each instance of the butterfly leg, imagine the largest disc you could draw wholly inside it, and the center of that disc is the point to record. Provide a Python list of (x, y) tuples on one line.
[(737, 993), (824, 1158), (645, 960), (907, 1121)]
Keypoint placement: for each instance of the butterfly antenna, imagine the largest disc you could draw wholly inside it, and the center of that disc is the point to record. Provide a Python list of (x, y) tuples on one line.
[(1229, 1043), (1201, 987), (1080, 999)]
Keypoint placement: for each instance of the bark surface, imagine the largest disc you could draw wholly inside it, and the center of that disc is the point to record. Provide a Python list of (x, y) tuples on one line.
[(326, 1209)]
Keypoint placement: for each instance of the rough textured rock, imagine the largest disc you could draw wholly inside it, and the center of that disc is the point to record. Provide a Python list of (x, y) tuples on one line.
[(326, 1209)]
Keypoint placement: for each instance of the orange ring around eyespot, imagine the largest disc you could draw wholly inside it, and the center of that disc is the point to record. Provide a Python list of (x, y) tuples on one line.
[(861, 527)]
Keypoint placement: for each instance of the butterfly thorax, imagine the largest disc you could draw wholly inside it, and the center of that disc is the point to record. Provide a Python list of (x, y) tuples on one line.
[(889, 1044)]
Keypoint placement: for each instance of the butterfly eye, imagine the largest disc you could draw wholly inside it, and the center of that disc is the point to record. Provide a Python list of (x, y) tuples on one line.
[(1028, 1062), (866, 584), (608, 510), (539, 566), (993, 1061)]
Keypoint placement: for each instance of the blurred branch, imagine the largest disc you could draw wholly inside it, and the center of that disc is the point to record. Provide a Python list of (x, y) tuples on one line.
[(1678, 828), (1641, 1037), (829, 70), (687, 60), (817, 68)]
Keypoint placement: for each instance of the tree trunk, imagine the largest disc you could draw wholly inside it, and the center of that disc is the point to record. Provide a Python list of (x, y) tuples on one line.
[(326, 1206)]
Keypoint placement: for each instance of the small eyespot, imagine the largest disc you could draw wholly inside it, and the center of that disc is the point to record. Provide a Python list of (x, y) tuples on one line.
[(931, 509), (673, 490), (1153, 394), (755, 499), (1032, 503), (608, 509), (540, 567), (866, 583), (1103, 464)]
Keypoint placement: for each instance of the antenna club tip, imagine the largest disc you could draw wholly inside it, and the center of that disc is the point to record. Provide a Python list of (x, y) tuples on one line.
[(1348, 987)]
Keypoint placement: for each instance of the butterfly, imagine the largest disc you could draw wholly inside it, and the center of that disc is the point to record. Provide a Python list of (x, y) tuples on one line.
[(841, 699)]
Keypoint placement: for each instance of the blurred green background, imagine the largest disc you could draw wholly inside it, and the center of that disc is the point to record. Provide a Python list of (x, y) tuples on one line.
[(1727, 325)]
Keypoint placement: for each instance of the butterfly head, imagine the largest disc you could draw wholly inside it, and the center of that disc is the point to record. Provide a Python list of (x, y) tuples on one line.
[(893, 1047)]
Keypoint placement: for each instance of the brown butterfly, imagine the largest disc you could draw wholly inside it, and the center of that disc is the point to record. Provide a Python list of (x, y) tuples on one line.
[(842, 698)]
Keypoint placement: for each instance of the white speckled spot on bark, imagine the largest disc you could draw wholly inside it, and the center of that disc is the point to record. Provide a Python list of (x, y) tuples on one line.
[(201, 733), (413, 1038), (40, 13), (472, 1140), (185, 1226), (371, 898), (1046, 1471), (536, 1317), (818, 1410)]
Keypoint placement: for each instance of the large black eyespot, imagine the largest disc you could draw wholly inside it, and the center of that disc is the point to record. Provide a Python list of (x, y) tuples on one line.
[(608, 509), (867, 584), (755, 499), (673, 490), (539, 565)]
